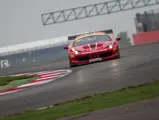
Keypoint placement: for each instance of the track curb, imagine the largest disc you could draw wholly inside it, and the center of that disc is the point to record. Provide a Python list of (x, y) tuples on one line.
[(45, 77)]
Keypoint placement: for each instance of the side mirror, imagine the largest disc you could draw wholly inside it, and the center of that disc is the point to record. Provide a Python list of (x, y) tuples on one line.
[(65, 47), (118, 38)]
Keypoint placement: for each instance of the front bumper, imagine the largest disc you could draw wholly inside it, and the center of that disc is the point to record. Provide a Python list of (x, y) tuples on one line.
[(94, 56)]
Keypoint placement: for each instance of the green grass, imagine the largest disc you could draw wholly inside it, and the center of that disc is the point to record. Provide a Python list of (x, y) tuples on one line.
[(92, 103), (18, 83), (7, 79), (13, 81)]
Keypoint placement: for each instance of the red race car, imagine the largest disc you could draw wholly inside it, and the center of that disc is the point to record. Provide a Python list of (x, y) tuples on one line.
[(92, 47)]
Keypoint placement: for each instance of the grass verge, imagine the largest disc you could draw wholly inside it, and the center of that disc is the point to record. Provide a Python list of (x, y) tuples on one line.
[(92, 103), (5, 80), (12, 81)]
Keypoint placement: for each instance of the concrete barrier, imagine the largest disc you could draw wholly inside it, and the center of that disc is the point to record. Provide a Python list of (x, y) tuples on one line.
[(35, 58), (146, 37), (33, 46), (27, 55)]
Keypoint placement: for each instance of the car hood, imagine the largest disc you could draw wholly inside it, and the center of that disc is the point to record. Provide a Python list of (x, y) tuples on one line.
[(93, 47)]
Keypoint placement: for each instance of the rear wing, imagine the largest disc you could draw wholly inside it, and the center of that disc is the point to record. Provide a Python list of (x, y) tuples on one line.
[(72, 37)]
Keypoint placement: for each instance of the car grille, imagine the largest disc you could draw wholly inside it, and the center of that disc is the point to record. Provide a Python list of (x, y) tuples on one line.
[(82, 58), (105, 54), (93, 56)]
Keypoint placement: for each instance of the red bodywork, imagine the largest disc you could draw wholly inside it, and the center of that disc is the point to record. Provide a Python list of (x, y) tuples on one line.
[(89, 53)]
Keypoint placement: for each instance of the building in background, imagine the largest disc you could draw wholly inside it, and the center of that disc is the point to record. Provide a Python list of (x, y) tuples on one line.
[(148, 21), (147, 27)]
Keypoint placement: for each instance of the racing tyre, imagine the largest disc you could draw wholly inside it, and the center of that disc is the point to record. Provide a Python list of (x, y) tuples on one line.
[(118, 56)]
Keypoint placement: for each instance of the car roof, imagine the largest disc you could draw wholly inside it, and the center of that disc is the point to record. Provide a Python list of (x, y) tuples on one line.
[(89, 34)]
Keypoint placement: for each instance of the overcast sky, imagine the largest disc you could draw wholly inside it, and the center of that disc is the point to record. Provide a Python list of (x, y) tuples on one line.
[(20, 20)]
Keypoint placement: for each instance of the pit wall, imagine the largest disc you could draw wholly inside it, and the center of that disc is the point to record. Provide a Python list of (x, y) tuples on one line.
[(146, 37)]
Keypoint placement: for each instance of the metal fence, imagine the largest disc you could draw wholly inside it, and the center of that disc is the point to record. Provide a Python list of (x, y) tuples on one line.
[(101, 8), (147, 21)]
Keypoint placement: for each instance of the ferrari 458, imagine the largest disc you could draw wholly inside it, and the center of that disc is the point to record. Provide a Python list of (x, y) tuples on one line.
[(92, 47)]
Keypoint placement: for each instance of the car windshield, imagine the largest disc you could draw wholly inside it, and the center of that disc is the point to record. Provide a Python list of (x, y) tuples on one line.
[(91, 39)]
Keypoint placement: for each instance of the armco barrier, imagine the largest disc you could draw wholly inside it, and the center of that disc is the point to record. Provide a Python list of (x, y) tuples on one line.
[(146, 37)]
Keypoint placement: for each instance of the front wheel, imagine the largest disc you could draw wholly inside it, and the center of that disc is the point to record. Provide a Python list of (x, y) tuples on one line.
[(118, 55)]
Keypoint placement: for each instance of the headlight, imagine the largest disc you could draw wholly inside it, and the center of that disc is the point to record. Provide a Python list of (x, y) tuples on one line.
[(76, 52), (110, 46)]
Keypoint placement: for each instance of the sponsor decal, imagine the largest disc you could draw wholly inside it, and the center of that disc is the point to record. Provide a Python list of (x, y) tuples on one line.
[(95, 60), (4, 64)]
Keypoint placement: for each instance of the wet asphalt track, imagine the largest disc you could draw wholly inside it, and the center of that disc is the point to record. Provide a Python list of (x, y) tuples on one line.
[(139, 64)]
